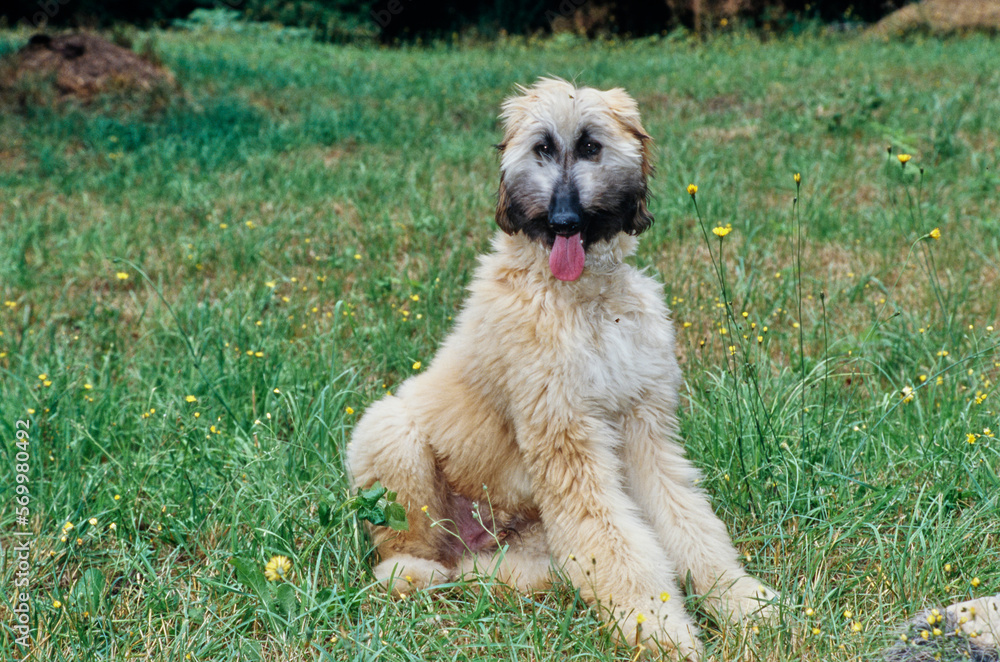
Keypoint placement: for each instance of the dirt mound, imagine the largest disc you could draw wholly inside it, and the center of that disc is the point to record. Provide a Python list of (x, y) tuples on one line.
[(82, 65), (942, 17)]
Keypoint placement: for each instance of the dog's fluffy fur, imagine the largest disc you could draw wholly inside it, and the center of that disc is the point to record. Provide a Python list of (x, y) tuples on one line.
[(544, 433)]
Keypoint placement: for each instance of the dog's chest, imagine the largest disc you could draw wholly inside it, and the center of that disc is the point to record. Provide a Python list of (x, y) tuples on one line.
[(623, 354)]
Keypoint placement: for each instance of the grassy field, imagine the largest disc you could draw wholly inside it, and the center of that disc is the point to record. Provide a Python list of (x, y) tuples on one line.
[(202, 292)]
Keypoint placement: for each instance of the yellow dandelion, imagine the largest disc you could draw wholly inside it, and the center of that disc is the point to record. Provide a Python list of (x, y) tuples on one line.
[(720, 231), (348, 410), (947, 567), (692, 189), (664, 596), (904, 158), (190, 398), (56, 604), (121, 275), (975, 582), (935, 233), (277, 568), (816, 631), (971, 438), (856, 627), (92, 521), (68, 526), (640, 619), (113, 526), (416, 365), (906, 394), (809, 611), (797, 178)]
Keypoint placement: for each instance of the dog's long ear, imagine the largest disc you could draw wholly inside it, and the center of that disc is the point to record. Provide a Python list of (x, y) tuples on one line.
[(626, 111), (513, 111), (503, 202), (642, 219)]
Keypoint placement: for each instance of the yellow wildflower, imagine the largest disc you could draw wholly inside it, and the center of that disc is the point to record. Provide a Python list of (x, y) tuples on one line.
[(121, 275), (190, 398), (277, 568), (903, 158), (692, 189), (935, 233), (720, 231)]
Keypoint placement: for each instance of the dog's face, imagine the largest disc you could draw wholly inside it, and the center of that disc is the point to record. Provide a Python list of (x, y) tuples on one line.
[(573, 169)]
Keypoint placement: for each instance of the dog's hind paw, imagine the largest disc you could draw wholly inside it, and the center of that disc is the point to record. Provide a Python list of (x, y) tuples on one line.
[(404, 574), (745, 598), (664, 632)]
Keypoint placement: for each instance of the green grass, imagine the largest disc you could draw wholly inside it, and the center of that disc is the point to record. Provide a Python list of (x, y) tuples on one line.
[(295, 232)]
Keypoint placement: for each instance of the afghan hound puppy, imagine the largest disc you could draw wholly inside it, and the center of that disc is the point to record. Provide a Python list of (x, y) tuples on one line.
[(544, 434)]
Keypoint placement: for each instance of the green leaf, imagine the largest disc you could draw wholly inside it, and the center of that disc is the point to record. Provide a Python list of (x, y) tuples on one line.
[(286, 600), (395, 516), (371, 495), (250, 576), (372, 513), (89, 589)]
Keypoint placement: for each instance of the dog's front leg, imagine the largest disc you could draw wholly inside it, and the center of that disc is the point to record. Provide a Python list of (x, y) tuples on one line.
[(388, 446), (593, 529), (662, 481)]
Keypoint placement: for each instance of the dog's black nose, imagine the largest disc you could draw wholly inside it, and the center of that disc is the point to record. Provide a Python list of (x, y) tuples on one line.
[(565, 213)]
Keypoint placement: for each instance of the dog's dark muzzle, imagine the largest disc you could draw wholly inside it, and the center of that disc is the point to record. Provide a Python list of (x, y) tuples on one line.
[(565, 213)]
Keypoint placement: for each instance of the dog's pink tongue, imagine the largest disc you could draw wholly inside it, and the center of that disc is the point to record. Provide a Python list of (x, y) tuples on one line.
[(567, 257)]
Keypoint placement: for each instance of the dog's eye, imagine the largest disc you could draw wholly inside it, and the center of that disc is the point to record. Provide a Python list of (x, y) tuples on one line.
[(543, 149), (588, 149)]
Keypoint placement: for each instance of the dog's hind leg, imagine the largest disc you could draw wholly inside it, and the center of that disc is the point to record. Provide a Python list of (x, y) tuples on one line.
[(388, 446), (525, 563), (663, 484)]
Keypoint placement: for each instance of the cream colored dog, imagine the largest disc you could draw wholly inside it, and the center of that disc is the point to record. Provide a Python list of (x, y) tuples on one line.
[(544, 433)]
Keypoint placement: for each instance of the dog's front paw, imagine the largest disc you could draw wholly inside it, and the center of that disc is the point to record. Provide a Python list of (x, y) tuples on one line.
[(664, 631), (745, 598), (403, 574)]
